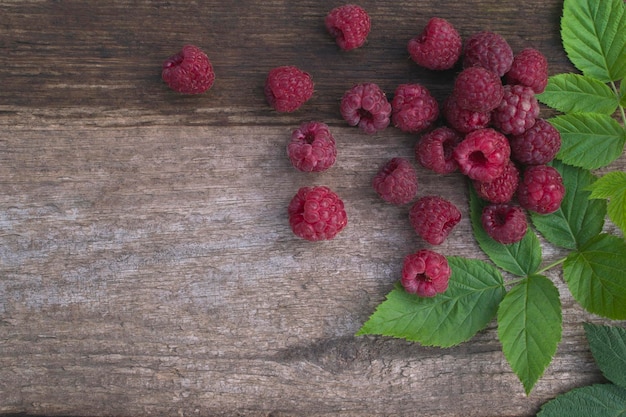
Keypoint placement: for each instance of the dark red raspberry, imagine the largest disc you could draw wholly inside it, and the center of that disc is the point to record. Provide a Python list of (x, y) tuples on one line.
[(396, 181), (517, 112), (536, 146), (287, 88), (425, 273), (483, 154), (366, 106), (316, 213), (529, 68), (502, 189), (433, 218), (488, 50), (189, 71), (463, 120), (414, 109), (349, 25), (504, 223), (541, 189), (312, 147), (435, 149), (478, 89), (438, 47)]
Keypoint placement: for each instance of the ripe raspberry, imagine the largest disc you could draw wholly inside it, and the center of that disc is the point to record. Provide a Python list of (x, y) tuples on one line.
[(287, 88), (189, 71), (501, 189), (414, 109), (438, 47), (349, 25), (365, 105), (435, 149), (517, 112), (478, 89), (462, 120), (312, 147), (425, 273), (541, 189), (504, 223), (316, 213), (433, 218), (483, 154), (396, 181), (536, 146), (529, 68), (488, 50)]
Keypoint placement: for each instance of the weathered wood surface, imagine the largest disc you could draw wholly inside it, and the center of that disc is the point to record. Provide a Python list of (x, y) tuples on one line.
[(146, 262)]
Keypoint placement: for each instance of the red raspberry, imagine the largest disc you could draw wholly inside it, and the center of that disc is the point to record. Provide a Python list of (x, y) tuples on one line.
[(189, 71), (504, 223), (541, 189), (287, 88), (425, 273), (536, 146), (438, 47), (312, 147), (435, 149), (396, 181), (478, 89), (316, 213), (488, 50), (501, 189), (433, 218), (483, 154), (529, 68), (463, 120), (414, 109), (349, 25), (365, 105), (517, 112)]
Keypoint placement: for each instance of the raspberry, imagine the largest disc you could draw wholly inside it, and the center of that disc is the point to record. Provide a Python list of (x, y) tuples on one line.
[(463, 120), (483, 154), (541, 189), (529, 68), (501, 189), (396, 181), (188, 71), (478, 89), (312, 147), (433, 218), (349, 25), (425, 273), (536, 146), (365, 105), (434, 150), (287, 88), (517, 112), (316, 213), (488, 50), (504, 223), (438, 47), (414, 109)]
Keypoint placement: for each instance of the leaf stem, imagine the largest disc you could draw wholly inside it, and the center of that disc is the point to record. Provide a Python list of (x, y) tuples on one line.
[(552, 265), (621, 109)]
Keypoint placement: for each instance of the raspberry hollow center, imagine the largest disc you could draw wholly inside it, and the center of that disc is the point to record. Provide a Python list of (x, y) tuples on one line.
[(365, 115), (477, 158)]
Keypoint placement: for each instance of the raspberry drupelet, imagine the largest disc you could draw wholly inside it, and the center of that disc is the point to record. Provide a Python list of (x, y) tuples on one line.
[(435, 149), (312, 147), (483, 154), (414, 109), (365, 105), (316, 213), (425, 273), (504, 223), (438, 47), (396, 181), (488, 50), (349, 25), (541, 189), (287, 88), (188, 71), (433, 218), (478, 89)]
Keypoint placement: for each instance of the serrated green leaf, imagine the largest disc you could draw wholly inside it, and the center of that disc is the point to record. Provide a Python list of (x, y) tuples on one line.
[(530, 327), (612, 186), (470, 303), (601, 400), (595, 276), (574, 93), (594, 38), (608, 346)]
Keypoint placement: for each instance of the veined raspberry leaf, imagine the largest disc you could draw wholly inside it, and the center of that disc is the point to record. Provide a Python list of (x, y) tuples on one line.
[(600, 400), (608, 346), (572, 93), (474, 292), (530, 327), (612, 186)]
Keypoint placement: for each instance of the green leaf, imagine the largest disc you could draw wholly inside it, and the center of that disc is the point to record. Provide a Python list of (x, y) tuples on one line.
[(470, 303), (608, 346), (612, 186), (594, 37), (529, 327), (595, 276), (589, 140), (622, 93), (573, 93), (600, 400)]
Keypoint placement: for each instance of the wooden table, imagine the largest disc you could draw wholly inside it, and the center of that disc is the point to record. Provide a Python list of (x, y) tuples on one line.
[(146, 262)]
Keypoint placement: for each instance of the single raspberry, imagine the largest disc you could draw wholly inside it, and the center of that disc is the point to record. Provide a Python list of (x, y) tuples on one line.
[(365, 105), (316, 213), (188, 71), (536, 146), (438, 47), (529, 68), (433, 218), (435, 149), (349, 25), (488, 50), (502, 188), (463, 120), (517, 112), (312, 147), (287, 88), (541, 189), (504, 223), (396, 181), (425, 273), (414, 109), (483, 154), (478, 89)]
